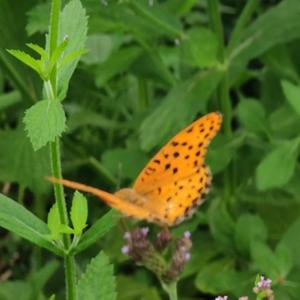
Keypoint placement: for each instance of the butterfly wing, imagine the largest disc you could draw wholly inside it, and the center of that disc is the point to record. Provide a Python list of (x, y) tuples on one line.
[(182, 156), (176, 179)]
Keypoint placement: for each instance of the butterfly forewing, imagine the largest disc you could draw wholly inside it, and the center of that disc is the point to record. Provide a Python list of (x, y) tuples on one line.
[(181, 157)]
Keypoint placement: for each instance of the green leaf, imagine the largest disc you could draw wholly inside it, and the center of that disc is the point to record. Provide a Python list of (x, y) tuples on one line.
[(38, 18), (278, 166), (265, 260), (178, 109), (13, 289), (100, 46), (200, 48), (9, 99), (284, 260), (249, 228), (260, 36), (74, 26), (44, 122), (79, 212), (118, 62), (291, 240), (38, 50), (28, 60), (40, 277), (124, 163), (22, 222), (98, 281), (53, 222), (20, 163), (221, 151), (221, 224), (292, 94), (220, 277), (252, 116), (97, 230)]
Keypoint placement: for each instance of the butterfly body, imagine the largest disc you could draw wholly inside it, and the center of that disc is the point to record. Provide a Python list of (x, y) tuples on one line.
[(173, 184)]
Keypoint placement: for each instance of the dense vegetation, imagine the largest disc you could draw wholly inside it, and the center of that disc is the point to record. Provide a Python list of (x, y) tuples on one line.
[(114, 82)]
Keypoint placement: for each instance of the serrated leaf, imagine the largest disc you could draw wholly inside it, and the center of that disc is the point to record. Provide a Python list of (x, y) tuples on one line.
[(38, 18), (27, 60), (278, 166), (15, 218), (292, 94), (53, 222), (79, 212), (98, 281), (74, 26), (38, 49), (44, 122)]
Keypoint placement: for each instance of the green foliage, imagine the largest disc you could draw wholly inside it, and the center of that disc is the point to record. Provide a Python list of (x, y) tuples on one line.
[(19, 163), (73, 27), (18, 219), (98, 281), (144, 71), (79, 213), (278, 166), (44, 122), (31, 289), (97, 230)]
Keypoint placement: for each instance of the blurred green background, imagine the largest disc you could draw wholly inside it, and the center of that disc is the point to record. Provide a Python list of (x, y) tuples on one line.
[(151, 68)]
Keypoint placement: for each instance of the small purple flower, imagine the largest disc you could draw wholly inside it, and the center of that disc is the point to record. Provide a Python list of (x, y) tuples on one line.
[(187, 256), (187, 234), (264, 283), (163, 238), (221, 298), (125, 249), (145, 231), (127, 236), (263, 288), (244, 298)]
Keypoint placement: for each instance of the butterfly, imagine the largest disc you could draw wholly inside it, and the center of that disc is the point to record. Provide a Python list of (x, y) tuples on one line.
[(173, 183)]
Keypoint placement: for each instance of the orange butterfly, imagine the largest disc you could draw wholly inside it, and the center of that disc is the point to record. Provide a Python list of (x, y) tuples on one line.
[(173, 183)]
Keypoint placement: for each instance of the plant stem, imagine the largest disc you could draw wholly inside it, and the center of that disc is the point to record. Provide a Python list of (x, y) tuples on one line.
[(171, 289), (50, 88), (223, 92)]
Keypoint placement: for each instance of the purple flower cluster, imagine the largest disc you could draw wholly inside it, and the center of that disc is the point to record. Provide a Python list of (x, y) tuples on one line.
[(150, 255), (262, 289)]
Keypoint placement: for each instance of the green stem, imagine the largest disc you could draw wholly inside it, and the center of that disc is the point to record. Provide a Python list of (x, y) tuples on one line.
[(50, 88), (170, 289), (223, 92)]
